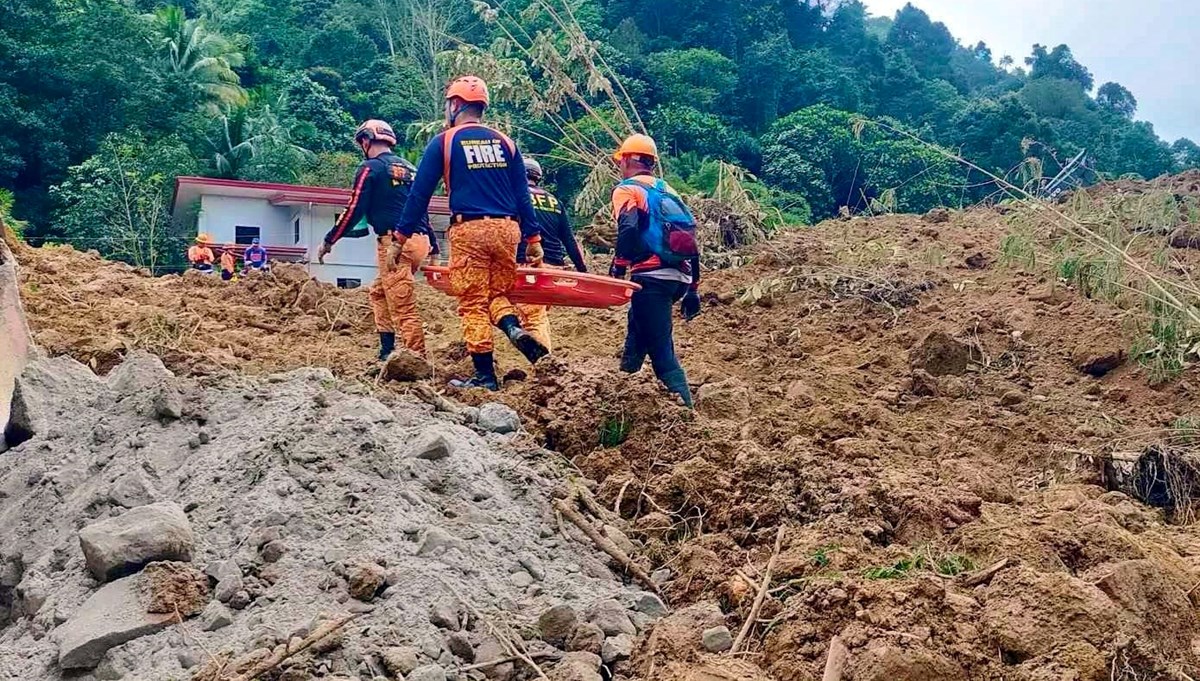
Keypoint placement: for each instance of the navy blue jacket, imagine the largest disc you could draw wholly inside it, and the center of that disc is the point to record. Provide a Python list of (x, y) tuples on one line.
[(558, 241), (484, 177), (381, 187)]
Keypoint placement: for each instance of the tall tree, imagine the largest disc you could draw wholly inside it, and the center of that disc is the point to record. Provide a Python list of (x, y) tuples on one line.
[(1058, 63), (1116, 98), (203, 59)]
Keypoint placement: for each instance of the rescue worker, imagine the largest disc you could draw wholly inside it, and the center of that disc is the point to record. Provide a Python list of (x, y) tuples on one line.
[(255, 257), (200, 256), (491, 212), (558, 243), (381, 186), (650, 330), (228, 264)]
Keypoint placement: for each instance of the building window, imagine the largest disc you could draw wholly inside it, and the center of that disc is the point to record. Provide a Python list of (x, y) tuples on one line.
[(348, 283), (296, 231), (244, 236)]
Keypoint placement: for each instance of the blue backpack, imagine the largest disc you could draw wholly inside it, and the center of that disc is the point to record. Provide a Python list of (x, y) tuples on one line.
[(671, 230)]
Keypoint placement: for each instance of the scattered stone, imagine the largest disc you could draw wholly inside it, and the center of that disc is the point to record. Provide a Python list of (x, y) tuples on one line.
[(240, 600), (436, 540), (521, 579), (650, 604), (122, 545), (1011, 398), (978, 261), (578, 666), (187, 658), (612, 619), (1097, 362), (406, 366), (937, 216), (533, 566), (940, 355), (115, 614), (174, 588), (400, 660), (459, 643), (617, 648), (924, 384), (365, 580), (498, 418), (229, 584), (661, 576), (168, 404), (558, 623), (444, 616), (265, 535), (430, 672), (489, 651), (132, 490), (432, 447), (587, 638), (215, 616), (273, 551), (717, 639)]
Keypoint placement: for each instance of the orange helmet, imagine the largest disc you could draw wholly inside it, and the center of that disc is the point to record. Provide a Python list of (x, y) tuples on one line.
[(641, 145), (203, 239), (469, 89), (375, 131)]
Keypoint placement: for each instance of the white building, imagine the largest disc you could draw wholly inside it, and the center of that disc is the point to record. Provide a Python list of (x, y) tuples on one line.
[(290, 221)]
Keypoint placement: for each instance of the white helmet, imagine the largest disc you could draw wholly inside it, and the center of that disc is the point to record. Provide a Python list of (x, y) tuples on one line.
[(533, 169)]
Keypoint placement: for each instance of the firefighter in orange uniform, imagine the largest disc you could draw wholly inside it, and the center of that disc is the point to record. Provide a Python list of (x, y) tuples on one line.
[(200, 256), (558, 244), (491, 213), (381, 187)]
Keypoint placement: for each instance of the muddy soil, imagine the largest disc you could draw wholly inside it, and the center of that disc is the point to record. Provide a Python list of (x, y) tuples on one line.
[(925, 421)]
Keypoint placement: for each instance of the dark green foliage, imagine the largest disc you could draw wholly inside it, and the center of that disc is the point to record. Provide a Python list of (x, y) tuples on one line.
[(272, 89)]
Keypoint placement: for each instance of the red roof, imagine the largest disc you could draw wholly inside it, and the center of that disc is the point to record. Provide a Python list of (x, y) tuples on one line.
[(189, 189)]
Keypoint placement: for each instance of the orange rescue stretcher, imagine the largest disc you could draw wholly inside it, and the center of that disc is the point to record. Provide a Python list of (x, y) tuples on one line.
[(556, 288)]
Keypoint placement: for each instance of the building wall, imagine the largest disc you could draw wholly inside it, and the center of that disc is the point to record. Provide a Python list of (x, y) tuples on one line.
[(220, 215)]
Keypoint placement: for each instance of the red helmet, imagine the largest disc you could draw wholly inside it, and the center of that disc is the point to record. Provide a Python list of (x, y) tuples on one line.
[(469, 89), (375, 131)]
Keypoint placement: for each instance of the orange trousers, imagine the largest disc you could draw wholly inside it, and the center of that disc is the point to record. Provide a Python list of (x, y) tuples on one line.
[(536, 318), (393, 299), (483, 269)]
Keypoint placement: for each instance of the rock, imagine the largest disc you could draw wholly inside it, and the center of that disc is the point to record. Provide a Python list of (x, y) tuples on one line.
[(937, 216), (498, 418), (430, 672), (1011, 398), (432, 447), (612, 619), (717, 639), (521, 579), (577, 667), (132, 490), (240, 600), (1097, 362), (557, 624), (168, 404), (273, 551), (119, 546), (115, 614), (444, 616), (400, 660), (650, 604), (924, 384), (587, 638), (620, 539), (33, 591), (365, 580), (728, 399), (43, 390), (174, 588), (533, 566), (265, 535), (617, 648), (459, 643), (940, 355), (489, 651), (229, 584), (215, 616), (978, 261), (435, 540), (187, 658), (406, 366)]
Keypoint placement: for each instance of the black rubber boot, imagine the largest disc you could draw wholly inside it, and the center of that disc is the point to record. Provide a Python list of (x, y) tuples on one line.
[(485, 374), (527, 344), (676, 382), (387, 343)]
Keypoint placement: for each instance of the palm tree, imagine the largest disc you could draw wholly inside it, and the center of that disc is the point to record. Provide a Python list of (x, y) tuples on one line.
[(249, 139), (204, 58)]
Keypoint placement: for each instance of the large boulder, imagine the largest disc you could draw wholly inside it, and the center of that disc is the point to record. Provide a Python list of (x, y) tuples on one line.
[(119, 546), (113, 615), (49, 391), (14, 334)]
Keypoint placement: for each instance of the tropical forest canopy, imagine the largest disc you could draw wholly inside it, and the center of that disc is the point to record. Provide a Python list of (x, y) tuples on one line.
[(104, 102)]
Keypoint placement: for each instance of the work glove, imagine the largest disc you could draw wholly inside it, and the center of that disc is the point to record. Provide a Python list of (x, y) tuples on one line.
[(534, 254), (323, 251), (395, 251), (617, 271), (690, 306)]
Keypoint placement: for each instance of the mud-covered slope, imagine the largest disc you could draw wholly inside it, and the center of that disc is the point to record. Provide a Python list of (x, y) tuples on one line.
[(912, 410)]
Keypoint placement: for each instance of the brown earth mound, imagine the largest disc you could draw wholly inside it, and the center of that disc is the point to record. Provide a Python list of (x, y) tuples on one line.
[(917, 416)]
